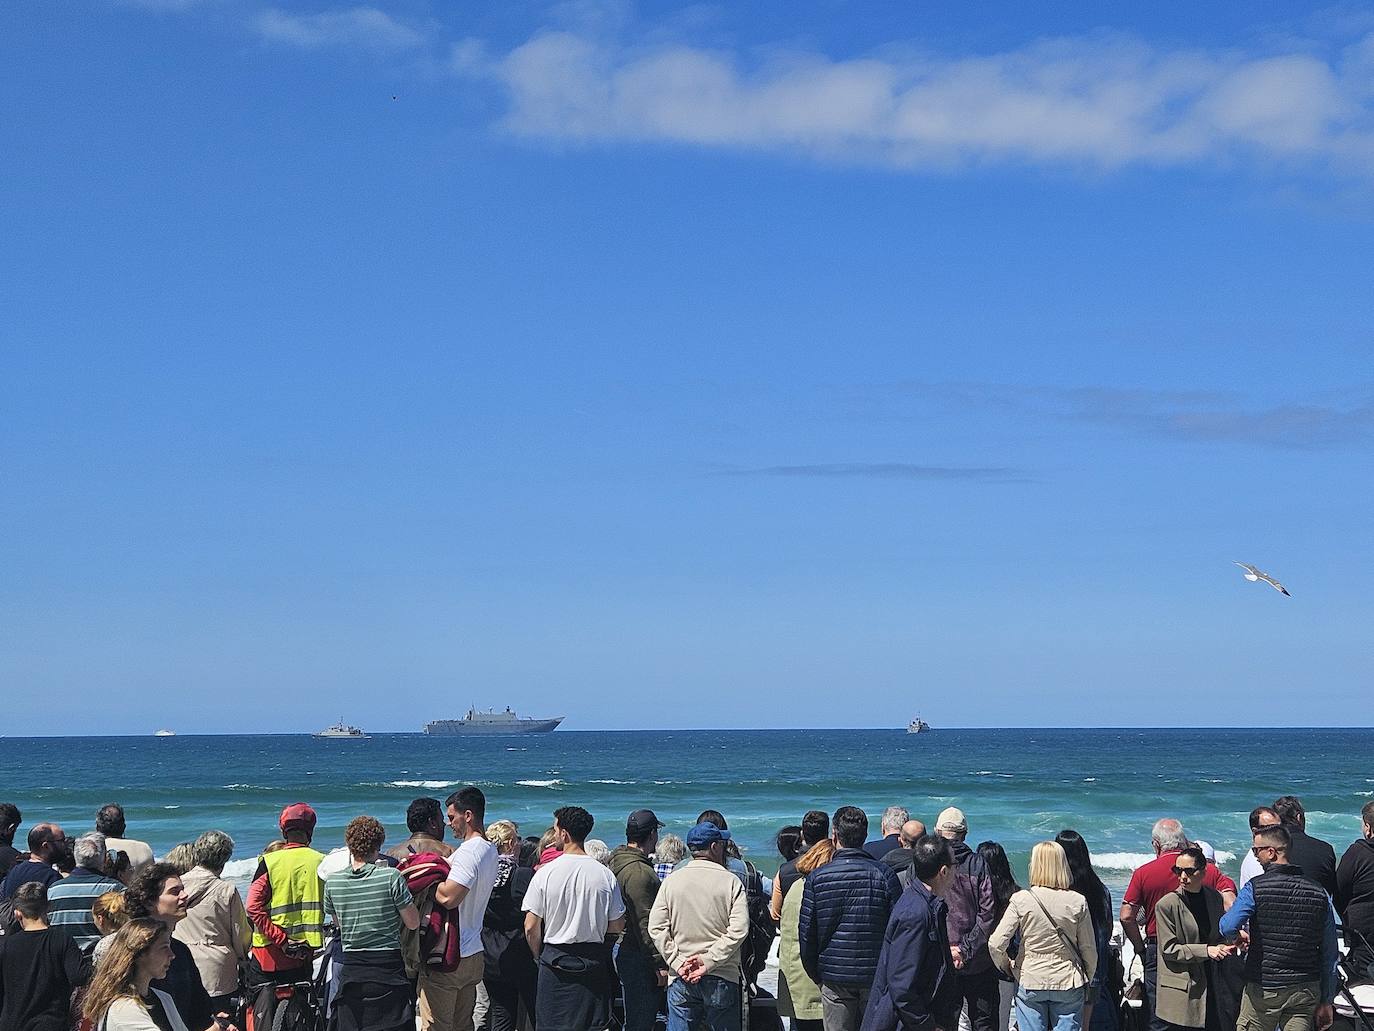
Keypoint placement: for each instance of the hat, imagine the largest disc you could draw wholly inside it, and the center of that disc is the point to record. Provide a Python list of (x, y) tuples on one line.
[(641, 823), (704, 835), (297, 815), (1208, 852), (951, 819)]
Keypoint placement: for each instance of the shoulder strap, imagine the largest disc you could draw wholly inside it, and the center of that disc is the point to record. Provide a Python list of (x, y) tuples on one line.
[(1073, 945)]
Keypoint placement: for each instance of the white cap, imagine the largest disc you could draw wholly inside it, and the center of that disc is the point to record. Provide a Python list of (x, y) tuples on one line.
[(1208, 852)]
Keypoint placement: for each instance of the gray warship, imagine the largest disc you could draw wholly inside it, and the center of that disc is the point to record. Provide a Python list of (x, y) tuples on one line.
[(491, 722)]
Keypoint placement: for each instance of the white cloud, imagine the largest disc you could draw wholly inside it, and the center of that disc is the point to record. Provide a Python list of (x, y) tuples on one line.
[(1100, 102), (356, 27)]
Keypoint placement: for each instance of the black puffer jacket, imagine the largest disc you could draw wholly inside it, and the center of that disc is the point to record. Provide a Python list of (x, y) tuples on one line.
[(844, 912)]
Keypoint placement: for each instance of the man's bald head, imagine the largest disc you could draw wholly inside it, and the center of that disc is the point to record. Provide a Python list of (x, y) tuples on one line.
[(45, 841), (911, 832)]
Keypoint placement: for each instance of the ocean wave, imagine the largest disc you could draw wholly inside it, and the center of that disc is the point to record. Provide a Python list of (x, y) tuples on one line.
[(171, 807), (1121, 860), (432, 785), (1089, 780), (610, 781), (539, 783), (1366, 794), (240, 869), (1131, 860)]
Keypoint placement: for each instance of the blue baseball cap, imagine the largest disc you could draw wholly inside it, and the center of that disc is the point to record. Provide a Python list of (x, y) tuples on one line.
[(704, 835)]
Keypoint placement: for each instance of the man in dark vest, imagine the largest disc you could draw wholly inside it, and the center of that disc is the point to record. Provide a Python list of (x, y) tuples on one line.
[(1290, 969)]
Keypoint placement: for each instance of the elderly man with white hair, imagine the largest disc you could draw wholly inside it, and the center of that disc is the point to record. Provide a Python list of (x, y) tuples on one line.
[(70, 899), (893, 818), (1149, 884)]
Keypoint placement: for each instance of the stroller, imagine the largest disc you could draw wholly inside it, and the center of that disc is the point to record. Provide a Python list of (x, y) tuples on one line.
[(1355, 992)]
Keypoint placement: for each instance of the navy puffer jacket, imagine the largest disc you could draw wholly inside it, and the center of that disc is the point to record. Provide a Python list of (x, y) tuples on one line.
[(844, 912)]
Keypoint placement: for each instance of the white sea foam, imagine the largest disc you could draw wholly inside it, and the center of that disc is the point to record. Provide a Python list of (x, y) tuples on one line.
[(539, 783), (1121, 860), (240, 869), (171, 807), (432, 785), (1089, 780), (1131, 860), (1365, 793), (610, 781)]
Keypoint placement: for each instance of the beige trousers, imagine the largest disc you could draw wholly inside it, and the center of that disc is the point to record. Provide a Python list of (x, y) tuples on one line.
[(447, 999)]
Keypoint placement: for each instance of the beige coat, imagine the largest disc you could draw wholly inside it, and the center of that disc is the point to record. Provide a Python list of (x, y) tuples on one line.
[(799, 997), (216, 930), (1182, 995), (1045, 961), (701, 911)]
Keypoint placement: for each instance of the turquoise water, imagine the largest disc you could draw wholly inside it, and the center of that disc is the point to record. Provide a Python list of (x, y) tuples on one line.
[(1017, 786)]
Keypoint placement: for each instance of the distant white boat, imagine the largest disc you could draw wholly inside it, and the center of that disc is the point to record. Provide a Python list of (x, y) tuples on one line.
[(165, 733), (918, 726), (342, 729)]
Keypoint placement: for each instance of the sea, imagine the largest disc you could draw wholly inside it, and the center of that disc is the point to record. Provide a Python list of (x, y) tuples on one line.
[(1016, 786)]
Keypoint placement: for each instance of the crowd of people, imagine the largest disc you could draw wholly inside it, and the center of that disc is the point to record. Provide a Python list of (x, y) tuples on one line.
[(468, 924)]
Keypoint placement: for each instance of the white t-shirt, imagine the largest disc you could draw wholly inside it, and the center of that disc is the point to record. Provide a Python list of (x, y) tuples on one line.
[(577, 897), (1249, 868), (473, 865)]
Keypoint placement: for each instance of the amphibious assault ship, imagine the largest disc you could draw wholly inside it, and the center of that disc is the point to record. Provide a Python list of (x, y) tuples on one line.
[(491, 722)]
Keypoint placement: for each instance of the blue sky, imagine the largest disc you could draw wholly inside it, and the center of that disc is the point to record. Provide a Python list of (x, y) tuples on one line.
[(804, 364)]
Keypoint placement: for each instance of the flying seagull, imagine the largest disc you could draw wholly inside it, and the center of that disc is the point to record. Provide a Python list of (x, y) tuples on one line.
[(1252, 574)]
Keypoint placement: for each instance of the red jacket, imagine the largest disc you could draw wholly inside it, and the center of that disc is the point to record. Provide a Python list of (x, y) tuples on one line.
[(273, 957)]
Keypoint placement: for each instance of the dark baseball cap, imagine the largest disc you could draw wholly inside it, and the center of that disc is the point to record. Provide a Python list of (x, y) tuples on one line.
[(297, 814), (704, 835), (640, 823)]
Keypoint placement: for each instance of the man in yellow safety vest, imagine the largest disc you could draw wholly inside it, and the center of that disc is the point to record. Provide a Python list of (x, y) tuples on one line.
[(286, 907)]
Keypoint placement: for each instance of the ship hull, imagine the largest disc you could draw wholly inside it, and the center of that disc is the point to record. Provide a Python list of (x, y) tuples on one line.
[(463, 728)]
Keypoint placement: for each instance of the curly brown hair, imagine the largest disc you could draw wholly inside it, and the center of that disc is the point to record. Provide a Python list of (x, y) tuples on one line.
[(364, 836)]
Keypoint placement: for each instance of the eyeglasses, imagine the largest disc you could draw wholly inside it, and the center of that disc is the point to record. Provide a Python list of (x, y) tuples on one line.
[(1186, 871), (1263, 848)]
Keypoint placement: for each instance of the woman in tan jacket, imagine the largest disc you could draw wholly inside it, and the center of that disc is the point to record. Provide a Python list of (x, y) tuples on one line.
[(216, 928), (1057, 955), (1189, 946)]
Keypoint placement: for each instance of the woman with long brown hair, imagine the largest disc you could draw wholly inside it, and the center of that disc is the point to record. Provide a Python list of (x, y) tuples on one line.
[(121, 996)]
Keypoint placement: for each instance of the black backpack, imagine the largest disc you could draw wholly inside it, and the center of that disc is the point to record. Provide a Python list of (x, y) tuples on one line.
[(762, 929)]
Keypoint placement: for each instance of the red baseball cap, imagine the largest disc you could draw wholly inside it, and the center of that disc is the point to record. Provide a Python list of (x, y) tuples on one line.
[(297, 814)]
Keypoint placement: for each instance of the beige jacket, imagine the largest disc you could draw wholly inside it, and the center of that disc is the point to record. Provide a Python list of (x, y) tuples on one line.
[(1181, 997), (216, 929), (1045, 961), (701, 911)]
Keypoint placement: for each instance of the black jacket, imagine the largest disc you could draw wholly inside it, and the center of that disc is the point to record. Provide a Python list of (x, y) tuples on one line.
[(1316, 857), (1355, 902), (184, 985), (845, 907), (884, 845), (914, 986)]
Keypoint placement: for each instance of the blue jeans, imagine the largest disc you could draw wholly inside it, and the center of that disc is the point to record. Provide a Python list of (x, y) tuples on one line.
[(1050, 1010), (639, 988), (713, 1004), (1150, 964)]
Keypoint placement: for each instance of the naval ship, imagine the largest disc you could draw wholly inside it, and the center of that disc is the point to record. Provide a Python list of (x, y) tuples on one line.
[(490, 722)]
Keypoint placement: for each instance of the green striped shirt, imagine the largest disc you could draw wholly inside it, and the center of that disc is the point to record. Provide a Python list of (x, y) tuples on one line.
[(366, 906)]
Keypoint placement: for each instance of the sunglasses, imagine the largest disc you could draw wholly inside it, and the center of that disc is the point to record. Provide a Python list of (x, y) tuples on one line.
[(1186, 871), (1263, 848)]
